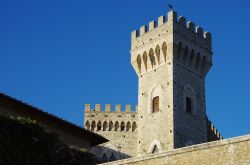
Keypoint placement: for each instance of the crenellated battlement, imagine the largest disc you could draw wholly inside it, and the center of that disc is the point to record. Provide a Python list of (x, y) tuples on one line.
[(98, 119), (172, 16), (118, 108), (214, 131)]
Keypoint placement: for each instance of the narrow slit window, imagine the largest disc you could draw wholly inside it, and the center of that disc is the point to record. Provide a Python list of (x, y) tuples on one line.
[(188, 105), (156, 101)]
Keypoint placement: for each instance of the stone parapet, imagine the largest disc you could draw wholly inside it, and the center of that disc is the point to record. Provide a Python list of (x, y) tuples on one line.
[(229, 151), (118, 108)]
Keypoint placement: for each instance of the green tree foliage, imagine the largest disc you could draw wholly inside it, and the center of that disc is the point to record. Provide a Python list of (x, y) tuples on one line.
[(24, 142)]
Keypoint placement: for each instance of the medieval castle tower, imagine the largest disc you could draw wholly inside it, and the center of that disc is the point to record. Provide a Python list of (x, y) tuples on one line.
[(171, 58)]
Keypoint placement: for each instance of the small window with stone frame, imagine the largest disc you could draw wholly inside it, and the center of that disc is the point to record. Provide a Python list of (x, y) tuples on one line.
[(156, 103), (188, 104)]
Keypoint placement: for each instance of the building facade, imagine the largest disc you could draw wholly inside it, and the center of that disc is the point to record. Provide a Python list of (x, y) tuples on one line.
[(171, 58)]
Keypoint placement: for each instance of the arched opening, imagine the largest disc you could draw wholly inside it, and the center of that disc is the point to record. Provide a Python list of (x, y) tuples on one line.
[(191, 58), (116, 126), (93, 126), (138, 60), (110, 126), (197, 62), (122, 126), (158, 52), (87, 125), (145, 60), (105, 126), (99, 126), (185, 56), (112, 157), (164, 50), (155, 149), (179, 51), (128, 126), (133, 126), (104, 158), (203, 64), (189, 104), (152, 58)]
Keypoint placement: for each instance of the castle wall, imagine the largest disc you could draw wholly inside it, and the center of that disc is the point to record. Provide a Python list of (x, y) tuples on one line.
[(119, 126), (235, 151)]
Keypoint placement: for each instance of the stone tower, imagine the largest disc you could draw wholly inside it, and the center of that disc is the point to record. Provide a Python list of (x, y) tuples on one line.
[(171, 58)]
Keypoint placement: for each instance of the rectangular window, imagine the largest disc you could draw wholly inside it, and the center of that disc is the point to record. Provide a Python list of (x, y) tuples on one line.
[(156, 101), (188, 105)]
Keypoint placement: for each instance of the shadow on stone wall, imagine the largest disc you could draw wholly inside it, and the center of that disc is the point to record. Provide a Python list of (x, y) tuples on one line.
[(107, 154)]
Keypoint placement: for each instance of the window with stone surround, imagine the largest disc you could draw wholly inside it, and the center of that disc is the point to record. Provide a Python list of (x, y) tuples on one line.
[(155, 149), (87, 125), (122, 126), (156, 103), (110, 126), (128, 126), (105, 126), (99, 126), (188, 105), (93, 126), (133, 126), (116, 126)]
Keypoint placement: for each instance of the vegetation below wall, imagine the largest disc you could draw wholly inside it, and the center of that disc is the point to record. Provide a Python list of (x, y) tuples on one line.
[(23, 141)]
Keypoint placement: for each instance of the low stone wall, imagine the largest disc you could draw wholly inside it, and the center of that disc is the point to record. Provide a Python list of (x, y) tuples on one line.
[(234, 151)]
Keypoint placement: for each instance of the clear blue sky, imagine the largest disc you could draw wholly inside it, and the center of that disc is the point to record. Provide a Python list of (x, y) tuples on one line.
[(59, 55)]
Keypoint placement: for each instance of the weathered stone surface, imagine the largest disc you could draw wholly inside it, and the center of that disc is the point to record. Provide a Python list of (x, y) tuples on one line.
[(235, 151)]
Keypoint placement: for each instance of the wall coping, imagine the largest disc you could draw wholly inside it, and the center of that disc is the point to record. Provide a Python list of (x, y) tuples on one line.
[(184, 149)]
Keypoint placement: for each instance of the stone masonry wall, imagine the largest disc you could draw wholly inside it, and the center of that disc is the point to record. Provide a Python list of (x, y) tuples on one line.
[(235, 151), (119, 127)]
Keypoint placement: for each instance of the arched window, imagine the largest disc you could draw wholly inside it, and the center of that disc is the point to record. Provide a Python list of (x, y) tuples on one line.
[(186, 54), (133, 126), (93, 126), (87, 125), (104, 158), (116, 126), (164, 50), (191, 58), (128, 126), (105, 126), (155, 149), (110, 126), (122, 126), (152, 57), (156, 104), (197, 62), (112, 157), (188, 104), (203, 64), (99, 126), (157, 52), (145, 60), (138, 60)]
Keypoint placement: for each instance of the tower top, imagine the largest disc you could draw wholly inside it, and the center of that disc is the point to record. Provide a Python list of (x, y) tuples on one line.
[(171, 16)]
